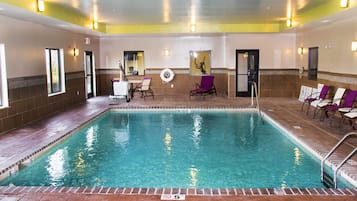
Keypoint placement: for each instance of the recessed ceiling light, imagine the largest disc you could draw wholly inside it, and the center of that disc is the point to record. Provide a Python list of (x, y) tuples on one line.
[(297, 127), (193, 27), (344, 3), (41, 5)]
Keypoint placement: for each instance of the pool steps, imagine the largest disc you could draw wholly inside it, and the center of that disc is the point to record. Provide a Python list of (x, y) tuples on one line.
[(326, 179)]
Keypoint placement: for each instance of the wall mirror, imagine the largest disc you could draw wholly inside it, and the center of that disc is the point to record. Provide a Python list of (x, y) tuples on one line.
[(134, 62)]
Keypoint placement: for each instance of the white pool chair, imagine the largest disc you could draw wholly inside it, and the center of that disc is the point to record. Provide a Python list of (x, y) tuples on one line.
[(335, 101), (120, 90)]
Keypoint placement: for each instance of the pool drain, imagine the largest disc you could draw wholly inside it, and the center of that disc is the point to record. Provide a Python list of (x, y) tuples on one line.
[(172, 197), (297, 127)]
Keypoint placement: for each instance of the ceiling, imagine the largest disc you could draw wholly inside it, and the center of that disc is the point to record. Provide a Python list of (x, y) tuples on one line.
[(165, 15), (183, 11)]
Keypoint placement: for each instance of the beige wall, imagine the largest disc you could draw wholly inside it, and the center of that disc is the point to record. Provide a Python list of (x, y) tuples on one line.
[(25, 43), (276, 50), (334, 41)]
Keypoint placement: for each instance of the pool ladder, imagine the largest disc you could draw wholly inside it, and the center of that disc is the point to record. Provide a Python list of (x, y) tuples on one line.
[(255, 90), (326, 179)]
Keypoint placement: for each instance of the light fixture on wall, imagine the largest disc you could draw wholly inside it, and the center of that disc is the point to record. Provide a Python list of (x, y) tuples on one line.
[(301, 50), (289, 22), (344, 3), (166, 52), (75, 52), (95, 25), (354, 46), (193, 28), (40, 5)]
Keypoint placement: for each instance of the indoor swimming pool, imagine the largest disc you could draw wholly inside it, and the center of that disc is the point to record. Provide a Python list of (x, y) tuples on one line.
[(175, 148)]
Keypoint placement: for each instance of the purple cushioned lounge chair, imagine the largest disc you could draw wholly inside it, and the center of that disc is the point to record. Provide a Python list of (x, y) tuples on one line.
[(345, 106), (324, 91), (206, 87)]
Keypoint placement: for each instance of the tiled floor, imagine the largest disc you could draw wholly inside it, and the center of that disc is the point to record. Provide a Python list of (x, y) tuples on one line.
[(20, 145)]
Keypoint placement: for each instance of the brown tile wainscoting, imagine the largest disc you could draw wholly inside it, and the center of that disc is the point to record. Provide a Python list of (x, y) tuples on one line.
[(182, 83), (279, 83), (29, 101), (225, 82)]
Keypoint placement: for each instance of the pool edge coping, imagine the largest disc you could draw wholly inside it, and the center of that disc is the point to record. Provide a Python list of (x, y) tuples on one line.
[(7, 190), (7, 171)]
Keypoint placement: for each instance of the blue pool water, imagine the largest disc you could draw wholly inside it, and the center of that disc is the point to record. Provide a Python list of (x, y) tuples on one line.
[(189, 149)]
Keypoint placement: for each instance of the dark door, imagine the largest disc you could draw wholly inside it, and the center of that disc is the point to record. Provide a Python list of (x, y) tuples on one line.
[(313, 63), (247, 69), (89, 74)]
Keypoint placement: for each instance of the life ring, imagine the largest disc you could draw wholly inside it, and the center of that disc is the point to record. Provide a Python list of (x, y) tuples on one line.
[(167, 75)]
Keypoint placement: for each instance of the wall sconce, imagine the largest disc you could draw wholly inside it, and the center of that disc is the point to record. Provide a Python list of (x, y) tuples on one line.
[(95, 25), (193, 28), (289, 22), (344, 3), (245, 55), (301, 50), (40, 5), (75, 52), (166, 52), (354, 46)]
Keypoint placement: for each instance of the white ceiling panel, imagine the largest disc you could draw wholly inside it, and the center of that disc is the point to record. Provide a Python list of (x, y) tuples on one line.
[(182, 11)]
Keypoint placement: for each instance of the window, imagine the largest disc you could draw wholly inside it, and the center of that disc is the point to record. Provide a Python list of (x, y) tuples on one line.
[(4, 101), (313, 63), (55, 71)]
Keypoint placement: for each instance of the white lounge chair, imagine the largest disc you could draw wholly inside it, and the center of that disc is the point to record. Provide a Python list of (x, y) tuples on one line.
[(335, 101), (351, 116), (316, 96), (120, 90), (145, 88)]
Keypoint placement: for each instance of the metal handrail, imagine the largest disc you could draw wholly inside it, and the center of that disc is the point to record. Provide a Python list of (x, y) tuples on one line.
[(333, 150), (255, 90), (340, 165), (121, 68)]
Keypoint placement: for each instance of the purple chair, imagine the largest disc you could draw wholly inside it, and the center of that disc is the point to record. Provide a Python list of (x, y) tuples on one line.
[(324, 91), (345, 106), (205, 88)]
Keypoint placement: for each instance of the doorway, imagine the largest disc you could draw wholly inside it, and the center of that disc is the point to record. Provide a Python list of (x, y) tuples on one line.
[(247, 71), (313, 63), (89, 74)]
